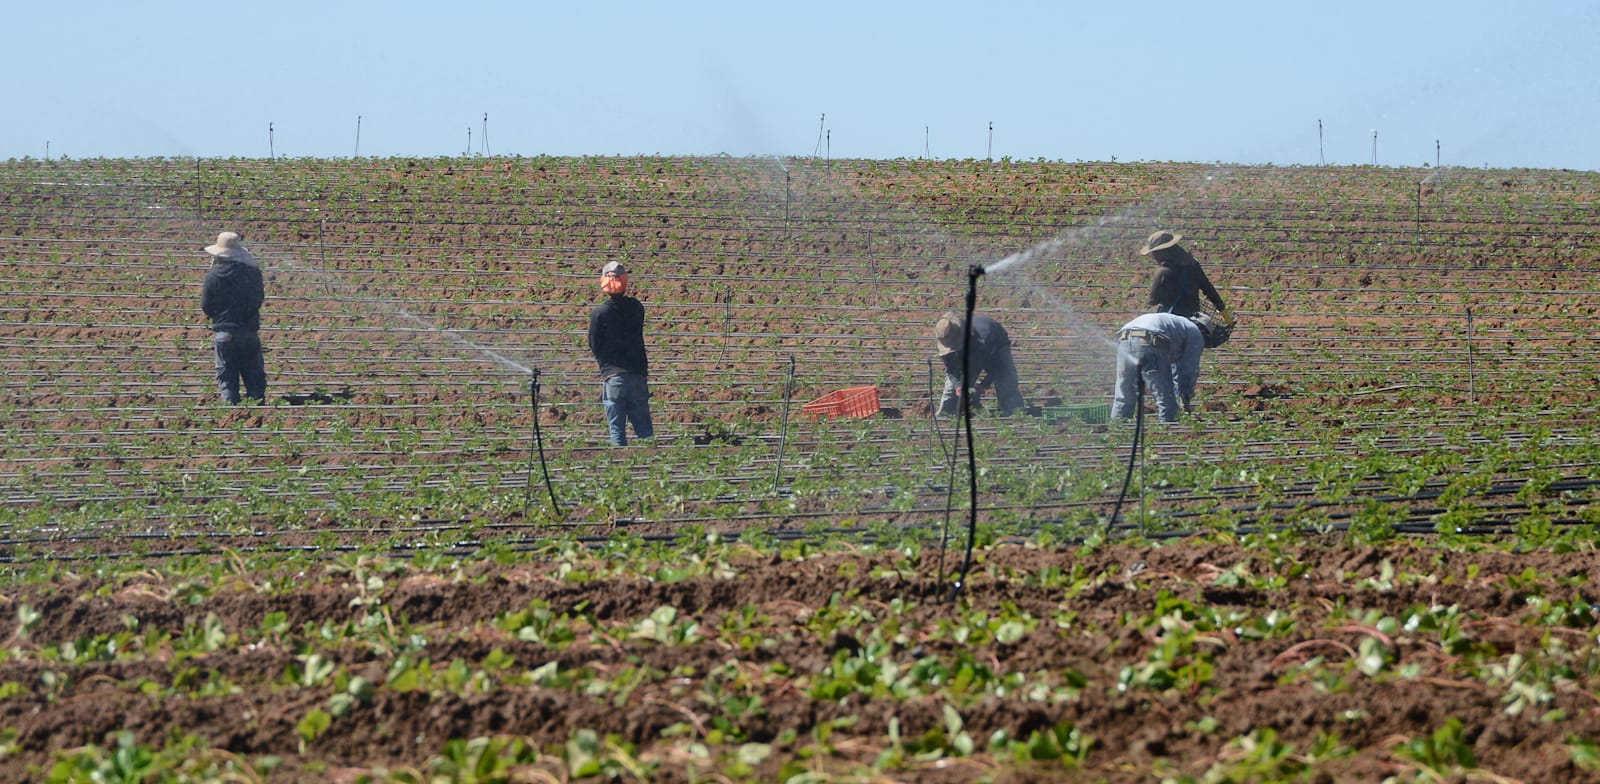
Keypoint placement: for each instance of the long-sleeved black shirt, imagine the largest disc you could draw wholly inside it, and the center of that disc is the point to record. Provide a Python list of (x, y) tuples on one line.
[(1177, 286), (616, 336), (232, 295)]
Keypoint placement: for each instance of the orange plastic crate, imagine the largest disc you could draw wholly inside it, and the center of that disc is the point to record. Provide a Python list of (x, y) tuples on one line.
[(855, 402)]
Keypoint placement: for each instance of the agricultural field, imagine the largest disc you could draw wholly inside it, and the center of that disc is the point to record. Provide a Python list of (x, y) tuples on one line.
[(1366, 556)]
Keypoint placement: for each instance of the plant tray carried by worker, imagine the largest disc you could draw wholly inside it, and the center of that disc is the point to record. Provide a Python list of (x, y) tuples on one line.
[(858, 402)]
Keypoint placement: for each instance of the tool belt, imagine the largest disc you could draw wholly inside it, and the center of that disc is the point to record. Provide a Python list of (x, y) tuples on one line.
[(1143, 336)]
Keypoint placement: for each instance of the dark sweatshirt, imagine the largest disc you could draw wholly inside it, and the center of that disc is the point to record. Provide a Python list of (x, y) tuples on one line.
[(616, 336), (988, 339), (232, 296), (1178, 284)]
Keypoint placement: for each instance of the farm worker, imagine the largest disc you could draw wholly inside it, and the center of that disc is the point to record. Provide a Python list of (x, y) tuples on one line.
[(231, 297), (616, 338), (1180, 280), (1164, 350), (992, 365)]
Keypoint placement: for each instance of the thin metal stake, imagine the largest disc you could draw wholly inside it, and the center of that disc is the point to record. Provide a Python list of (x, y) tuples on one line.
[(322, 246), (199, 214), (1472, 395), (727, 321), (1144, 446), (783, 432)]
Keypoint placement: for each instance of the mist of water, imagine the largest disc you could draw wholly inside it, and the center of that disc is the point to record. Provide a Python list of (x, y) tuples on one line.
[(398, 312), (1081, 235)]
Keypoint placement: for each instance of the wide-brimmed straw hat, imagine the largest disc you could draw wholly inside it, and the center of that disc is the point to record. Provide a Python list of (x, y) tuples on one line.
[(948, 332), (1160, 240), (229, 246)]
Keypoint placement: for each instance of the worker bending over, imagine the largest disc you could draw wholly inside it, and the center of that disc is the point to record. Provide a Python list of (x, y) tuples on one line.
[(1164, 350), (992, 365)]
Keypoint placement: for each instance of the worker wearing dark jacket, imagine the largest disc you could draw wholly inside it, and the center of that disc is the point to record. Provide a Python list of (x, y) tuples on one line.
[(616, 338), (1180, 280), (992, 365), (231, 297)]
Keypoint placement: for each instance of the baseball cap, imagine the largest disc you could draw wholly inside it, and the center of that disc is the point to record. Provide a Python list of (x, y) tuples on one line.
[(613, 266)]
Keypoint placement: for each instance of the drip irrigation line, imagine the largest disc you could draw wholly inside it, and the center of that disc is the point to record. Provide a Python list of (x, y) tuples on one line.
[(1410, 527)]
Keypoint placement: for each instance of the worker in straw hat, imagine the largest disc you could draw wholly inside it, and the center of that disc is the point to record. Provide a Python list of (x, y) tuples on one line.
[(1180, 280), (616, 338), (991, 366), (231, 297)]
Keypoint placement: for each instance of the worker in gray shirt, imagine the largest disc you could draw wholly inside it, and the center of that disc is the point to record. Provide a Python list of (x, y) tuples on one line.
[(1164, 350)]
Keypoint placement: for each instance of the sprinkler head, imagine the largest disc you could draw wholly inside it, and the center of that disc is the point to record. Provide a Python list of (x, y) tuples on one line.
[(975, 270)]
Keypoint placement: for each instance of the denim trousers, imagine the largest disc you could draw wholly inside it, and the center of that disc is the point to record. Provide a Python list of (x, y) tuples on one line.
[(1136, 359), (627, 400), (239, 359)]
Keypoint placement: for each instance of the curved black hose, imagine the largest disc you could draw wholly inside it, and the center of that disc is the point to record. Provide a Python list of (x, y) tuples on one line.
[(1138, 436), (973, 273), (538, 440)]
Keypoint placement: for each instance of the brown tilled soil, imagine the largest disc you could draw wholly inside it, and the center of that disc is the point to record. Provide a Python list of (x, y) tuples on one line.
[(1094, 632)]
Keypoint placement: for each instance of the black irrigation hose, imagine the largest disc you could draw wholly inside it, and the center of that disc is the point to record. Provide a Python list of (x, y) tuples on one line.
[(538, 440), (1133, 453), (973, 273)]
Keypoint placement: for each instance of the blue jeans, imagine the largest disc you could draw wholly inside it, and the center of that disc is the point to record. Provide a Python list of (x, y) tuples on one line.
[(239, 358), (627, 399), (1136, 358)]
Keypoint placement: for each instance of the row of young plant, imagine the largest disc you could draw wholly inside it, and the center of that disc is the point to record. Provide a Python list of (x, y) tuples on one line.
[(393, 437), (311, 472), (878, 675), (923, 183)]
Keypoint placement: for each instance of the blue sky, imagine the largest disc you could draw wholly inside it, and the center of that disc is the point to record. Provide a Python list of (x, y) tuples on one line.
[(1466, 83)]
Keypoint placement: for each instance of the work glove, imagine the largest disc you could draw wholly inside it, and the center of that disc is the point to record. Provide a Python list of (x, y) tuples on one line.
[(1227, 317)]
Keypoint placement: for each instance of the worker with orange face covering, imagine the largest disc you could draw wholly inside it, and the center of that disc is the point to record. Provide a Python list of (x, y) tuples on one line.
[(616, 338)]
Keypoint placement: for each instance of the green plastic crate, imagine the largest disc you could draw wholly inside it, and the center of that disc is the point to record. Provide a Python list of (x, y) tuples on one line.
[(1091, 413)]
